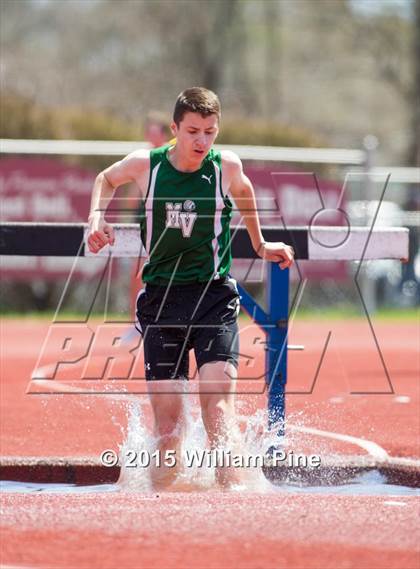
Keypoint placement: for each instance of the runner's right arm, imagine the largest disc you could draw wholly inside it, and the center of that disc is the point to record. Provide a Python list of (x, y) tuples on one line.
[(129, 169)]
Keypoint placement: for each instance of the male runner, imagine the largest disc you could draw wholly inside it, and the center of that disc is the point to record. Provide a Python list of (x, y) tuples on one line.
[(190, 301)]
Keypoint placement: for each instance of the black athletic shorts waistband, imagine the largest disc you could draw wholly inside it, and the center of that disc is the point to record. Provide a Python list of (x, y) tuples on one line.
[(185, 286), (197, 316)]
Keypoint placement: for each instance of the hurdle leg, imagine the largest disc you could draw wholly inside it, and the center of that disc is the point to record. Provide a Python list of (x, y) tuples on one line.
[(277, 333)]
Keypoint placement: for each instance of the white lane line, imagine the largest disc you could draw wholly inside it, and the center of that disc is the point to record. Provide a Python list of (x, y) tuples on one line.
[(402, 399), (22, 567), (38, 379), (54, 386), (370, 447)]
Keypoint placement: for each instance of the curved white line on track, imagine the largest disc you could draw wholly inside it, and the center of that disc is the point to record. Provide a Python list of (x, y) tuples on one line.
[(373, 449), (52, 385), (41, 372), (402, 399), (20, 567), (38, 379), (55, 386)]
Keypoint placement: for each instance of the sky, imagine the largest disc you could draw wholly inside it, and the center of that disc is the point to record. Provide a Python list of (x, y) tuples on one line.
[(404, 8)]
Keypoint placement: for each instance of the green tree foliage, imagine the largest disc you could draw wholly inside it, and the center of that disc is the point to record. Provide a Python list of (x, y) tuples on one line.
[(262, 132), (22, 117)]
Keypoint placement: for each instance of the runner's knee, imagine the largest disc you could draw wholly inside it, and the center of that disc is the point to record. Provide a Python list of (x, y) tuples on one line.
[(167, 417), (215, 406)]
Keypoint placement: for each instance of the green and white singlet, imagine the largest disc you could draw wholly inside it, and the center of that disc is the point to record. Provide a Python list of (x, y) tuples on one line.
[(184, 221)]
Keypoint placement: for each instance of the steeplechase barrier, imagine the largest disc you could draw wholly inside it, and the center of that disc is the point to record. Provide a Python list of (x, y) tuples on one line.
[(318, 243)]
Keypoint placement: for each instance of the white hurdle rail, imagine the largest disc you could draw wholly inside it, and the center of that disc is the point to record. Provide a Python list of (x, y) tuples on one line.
[(323, 243), (317, 243)]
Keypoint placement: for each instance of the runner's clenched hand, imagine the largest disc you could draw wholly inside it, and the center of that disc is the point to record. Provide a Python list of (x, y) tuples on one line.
[(100, 233), (277, 252)]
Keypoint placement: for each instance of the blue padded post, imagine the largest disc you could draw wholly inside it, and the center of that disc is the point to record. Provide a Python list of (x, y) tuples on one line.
[(275, 325), (277, 333)]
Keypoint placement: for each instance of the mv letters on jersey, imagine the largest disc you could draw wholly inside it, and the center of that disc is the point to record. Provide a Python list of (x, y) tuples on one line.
[(181, 216)]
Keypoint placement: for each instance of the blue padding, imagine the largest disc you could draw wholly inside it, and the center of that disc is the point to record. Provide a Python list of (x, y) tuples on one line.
[(275, 325)]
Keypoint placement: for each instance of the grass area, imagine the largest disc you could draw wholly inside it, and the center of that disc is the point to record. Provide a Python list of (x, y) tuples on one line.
[(384, 314), (346, 313), (48, 315)]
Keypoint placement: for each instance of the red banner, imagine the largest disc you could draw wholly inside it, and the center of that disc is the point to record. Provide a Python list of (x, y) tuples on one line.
[(286, 199), (44, 189)]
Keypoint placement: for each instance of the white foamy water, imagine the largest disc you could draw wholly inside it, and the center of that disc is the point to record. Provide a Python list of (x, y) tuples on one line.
[(255, 439), (138, 439), (192, 475)]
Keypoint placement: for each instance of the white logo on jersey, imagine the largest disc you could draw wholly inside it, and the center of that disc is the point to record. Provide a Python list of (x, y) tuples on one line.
[(189, 205), (208, 178), (178, 219), (172, 214)]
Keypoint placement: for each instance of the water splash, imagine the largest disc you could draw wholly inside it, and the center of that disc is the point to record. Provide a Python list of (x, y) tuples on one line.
[(138, 440), (254, 439)]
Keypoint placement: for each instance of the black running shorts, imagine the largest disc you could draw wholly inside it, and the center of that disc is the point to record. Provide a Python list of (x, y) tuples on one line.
[(177, 319)]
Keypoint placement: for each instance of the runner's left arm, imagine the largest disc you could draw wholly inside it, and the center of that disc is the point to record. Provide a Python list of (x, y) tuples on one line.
[(243, 194)]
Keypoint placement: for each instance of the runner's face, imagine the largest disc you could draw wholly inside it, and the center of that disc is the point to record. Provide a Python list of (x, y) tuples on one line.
[(195, 135)]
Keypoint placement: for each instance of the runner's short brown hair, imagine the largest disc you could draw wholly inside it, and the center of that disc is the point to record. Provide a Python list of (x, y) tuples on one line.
[(196, 100)]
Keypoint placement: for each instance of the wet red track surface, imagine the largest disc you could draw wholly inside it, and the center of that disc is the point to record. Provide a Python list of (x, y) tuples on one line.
[(220, 530), (214, 529)]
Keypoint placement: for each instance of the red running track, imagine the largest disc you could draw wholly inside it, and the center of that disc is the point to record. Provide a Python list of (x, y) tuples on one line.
[(213, 529), (70, 425), (210, 531)]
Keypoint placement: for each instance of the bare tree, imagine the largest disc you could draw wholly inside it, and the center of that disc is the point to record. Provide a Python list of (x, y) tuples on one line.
[(414, 151), (272, 59)]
